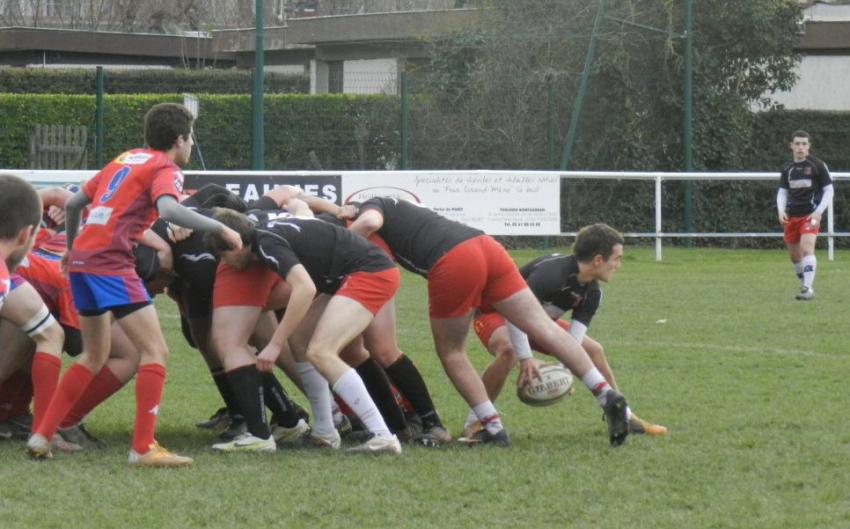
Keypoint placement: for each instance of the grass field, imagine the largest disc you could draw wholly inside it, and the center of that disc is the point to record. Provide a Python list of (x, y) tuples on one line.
[(708, 342)]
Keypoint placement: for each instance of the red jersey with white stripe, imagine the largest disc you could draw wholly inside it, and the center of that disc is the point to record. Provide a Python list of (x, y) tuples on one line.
[(123, 195), (5, 280)]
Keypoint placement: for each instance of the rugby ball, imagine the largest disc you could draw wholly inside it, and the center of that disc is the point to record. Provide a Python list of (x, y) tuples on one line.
[(555, 382)]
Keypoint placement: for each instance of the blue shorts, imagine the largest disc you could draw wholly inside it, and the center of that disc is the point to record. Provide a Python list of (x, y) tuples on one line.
[(95, 294)]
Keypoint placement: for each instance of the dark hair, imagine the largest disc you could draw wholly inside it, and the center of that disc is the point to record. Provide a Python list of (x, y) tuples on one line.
[(147, 262), (164, 123), (238, 222), (596, 239), (20, 206), (800, 133)]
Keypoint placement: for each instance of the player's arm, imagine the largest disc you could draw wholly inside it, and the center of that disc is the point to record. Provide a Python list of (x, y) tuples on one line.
[(54, 199), (298, 208), (781, 203), (368, 221), (282, 196), (826, 199), (73, 212), (171, 211)]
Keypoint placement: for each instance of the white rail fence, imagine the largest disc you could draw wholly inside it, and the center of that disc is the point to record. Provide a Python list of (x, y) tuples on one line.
[(660, 177), (59, 177)]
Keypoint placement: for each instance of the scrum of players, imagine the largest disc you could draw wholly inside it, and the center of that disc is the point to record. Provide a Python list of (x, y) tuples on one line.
[(289, 284)]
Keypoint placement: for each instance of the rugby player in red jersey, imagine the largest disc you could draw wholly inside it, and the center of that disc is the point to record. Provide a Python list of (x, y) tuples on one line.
[(125, 198)]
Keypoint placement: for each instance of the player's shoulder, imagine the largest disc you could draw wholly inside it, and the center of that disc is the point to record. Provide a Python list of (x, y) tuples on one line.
[(819, 164)]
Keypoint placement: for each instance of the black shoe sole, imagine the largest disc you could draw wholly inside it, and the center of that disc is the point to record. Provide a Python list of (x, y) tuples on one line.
[(618, 423)]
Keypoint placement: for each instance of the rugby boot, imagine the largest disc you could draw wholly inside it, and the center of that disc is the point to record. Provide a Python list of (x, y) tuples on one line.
[(216, 420), (377, 445), (484, 437), (805, 294), (324, 441), (616, 416), (158, 457), (640, 426), (79, 435), (237, 427), (247, 443), (284, 435), (38, 447), (5, 432)]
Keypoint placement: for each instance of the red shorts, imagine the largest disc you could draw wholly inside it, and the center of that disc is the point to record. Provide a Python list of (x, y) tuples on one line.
[(371, 289), (243, 288), (797, 226), (475, 272), (487, 322)]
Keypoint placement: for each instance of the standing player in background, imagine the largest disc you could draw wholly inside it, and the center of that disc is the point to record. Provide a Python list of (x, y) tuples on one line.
[(125, 198), (562, 283), (805, 191)]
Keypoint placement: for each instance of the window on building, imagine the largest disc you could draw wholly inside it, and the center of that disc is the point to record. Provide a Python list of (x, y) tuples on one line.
[(335, 77)]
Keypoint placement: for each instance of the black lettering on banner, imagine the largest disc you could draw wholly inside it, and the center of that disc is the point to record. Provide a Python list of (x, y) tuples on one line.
[(252, 187)]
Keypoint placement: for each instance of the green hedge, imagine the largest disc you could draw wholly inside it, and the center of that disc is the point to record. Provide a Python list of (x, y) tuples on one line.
[(343, 131), (154, 81)]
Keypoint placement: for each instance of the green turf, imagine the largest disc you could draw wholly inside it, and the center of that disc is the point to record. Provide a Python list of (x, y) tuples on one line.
[(708, 342)]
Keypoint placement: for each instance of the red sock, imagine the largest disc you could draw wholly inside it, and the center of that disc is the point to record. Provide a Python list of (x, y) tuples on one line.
[(103, 386), (23, 396), (72, 385), (45, 377), (10, 394), (149, 385)]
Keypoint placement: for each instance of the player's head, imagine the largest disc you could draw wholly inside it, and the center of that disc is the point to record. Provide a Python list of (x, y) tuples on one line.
[(21, 216), (216, 244), (599, 247), (801, 142), (168, 127)]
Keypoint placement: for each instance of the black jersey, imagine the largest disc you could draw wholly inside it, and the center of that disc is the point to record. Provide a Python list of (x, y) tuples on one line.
[(194, 267), (554, 281), (417, 236), (805, 182), (328, 252)]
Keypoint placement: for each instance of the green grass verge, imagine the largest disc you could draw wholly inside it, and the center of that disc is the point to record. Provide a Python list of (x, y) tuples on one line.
[(707, 342)]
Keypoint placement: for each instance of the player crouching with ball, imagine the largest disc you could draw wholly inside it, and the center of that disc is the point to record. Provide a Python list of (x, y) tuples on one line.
[(561, 283)]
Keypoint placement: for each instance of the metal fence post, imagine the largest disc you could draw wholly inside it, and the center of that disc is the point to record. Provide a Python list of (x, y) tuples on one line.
[(658, 217), (98, 118), (405, 122)]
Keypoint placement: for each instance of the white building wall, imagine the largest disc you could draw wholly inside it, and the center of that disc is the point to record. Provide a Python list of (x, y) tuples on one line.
[(822, 84), (370, 76)]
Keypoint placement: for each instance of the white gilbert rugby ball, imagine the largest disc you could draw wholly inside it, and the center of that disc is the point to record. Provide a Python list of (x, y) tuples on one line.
[(554, 383)]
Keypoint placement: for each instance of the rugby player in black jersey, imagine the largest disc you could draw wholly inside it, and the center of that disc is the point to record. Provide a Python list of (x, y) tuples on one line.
[(467, 269), (338, 282), (562, 283), (805, 191)]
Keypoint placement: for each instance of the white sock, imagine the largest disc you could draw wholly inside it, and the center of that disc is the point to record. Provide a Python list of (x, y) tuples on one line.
[(351, 389), (470, 420), (488, 416), (597, 384), (810, 265), (337, 413), (319, 395), (798, 269)]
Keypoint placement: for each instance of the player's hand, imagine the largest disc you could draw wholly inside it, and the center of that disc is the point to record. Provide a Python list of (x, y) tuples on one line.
[(527, 371), (348, 211), (56, 214), (178, 233), (783, 218), (815, 218), (233, 239), (267, 358)]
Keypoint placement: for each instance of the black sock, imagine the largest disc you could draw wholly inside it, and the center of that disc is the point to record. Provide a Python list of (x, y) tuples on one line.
[(408, 380), (378, 386), (246, 384), (226, 392), (283, 412)]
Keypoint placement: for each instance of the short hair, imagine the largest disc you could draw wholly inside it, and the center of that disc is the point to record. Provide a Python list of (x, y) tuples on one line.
[(800, 133), (164, 123), (241, 224), (20, 206), (596, 239)]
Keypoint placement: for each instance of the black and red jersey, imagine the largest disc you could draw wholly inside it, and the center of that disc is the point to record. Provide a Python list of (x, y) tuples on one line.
[(554, 281), (804, 181)]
